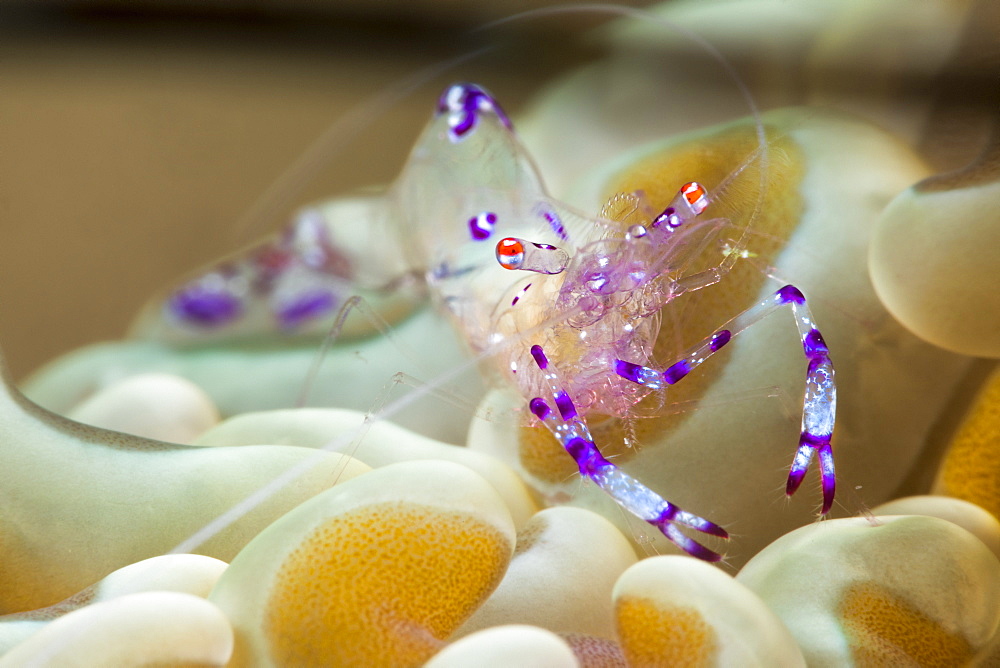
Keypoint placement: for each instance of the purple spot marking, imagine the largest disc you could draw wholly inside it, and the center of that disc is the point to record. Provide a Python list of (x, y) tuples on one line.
[(481, 226), (676, 372), (556, 224), (711, 528), (628, 371), (520, 294), (719, 339), (464, 102), (790, 293), (305, 307), (462, 127), (669, 217), (597, 282), (586, 455), (540, 359), (565, 405), (813, 441), (206, 308), (814, 345), (816, 361), (795, 478), (667, 514), (539, 408)]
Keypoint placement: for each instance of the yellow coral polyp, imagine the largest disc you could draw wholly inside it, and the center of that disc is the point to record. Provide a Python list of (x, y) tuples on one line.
[(882, 591), (969, 470), (885, 630), (383, 585), (377, 571), (653, 635)]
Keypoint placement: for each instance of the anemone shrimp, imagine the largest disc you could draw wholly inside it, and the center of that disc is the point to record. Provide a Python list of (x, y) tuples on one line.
[(584, 334), (594, 317), (484, 185), (594, 309)]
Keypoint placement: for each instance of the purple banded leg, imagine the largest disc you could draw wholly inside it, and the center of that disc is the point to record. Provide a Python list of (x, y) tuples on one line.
[(569, 428), (819, 405)]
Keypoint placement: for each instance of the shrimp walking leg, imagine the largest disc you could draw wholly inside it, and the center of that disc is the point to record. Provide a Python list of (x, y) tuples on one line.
[(820, 401), (574, 435)]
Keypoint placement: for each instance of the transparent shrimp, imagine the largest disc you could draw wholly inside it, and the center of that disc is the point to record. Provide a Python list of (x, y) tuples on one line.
[(567, 307), (577, 336)]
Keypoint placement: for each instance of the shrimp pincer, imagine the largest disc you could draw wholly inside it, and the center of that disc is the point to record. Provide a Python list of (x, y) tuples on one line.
[(578, 337)]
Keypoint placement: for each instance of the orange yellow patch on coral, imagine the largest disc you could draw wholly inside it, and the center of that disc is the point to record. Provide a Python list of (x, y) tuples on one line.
[(886, 630), (898, 590), (654, 636), (378, 571), (394, 585), (678, 611), (970, 468)]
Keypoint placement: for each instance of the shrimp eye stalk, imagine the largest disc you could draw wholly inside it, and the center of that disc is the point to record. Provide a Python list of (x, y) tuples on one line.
[(520, 254), (690, 202)]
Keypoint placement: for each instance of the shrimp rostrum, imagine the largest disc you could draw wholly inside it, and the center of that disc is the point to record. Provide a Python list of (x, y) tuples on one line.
[(569, 308)]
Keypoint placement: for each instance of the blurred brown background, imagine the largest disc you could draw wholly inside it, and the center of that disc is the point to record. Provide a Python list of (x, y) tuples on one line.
[(135, 136)]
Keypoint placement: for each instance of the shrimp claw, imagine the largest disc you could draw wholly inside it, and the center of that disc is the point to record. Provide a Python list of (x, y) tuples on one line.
[(572, 432), (820, 402)]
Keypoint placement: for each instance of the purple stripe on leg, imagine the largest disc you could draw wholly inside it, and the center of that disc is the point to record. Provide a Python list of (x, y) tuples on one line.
[(711, 528), (790, 293), (540, 359), (555, 223), (719, 339), (816, 361), (809, 444), (676, 371), (641, 375), (688, 544), (800, 464), (539, 408), (586, 455), (813, 344), (628, 371), (565, 405)]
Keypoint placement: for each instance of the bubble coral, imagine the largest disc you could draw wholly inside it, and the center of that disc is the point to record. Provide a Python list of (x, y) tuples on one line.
[(935, 255), (378, 443), (512, 645), (673, 610), (184, 573), (159, 406), (379, 570), (150, 628), (968, 470), (80, 501), (883, 590), (413, 550)]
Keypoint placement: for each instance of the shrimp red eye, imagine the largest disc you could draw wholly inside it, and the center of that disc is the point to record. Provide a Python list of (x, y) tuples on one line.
[(694, 193), (510, 253)]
